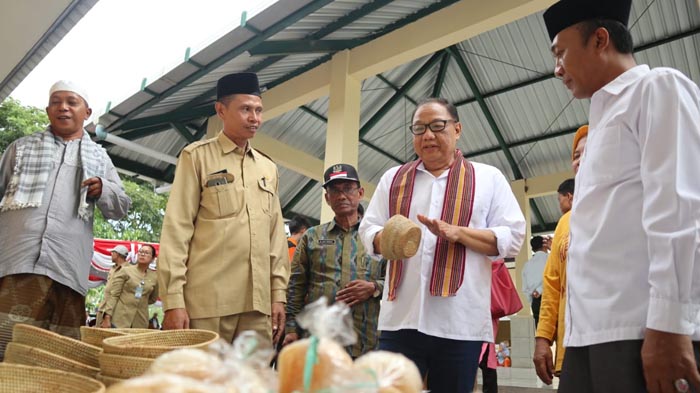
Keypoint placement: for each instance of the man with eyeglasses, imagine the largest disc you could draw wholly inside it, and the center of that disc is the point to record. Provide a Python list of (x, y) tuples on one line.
[(436, 308), (331, 261)]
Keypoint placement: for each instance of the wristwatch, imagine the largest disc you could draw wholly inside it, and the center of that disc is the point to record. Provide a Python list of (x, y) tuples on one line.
[(377, 292)]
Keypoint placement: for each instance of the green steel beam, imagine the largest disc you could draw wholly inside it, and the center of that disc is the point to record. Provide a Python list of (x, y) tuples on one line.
[(526, 141), (363, 141), (485, 109), (550, 75), (223, 59), (397, 96), (138, 133), (396, 88), (170, 117), (442, 71), (492, 122), (291, 47), (183, 131), (137, 167), (328, 29), (313, 113), (548, 227), (202, 130), (437, 6), (299, 196)]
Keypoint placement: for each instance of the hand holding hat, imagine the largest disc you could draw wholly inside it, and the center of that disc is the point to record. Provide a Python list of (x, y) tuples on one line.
[(400, 238)]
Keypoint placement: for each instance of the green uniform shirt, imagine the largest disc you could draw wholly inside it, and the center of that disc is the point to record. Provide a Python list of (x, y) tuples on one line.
[(327, 258)]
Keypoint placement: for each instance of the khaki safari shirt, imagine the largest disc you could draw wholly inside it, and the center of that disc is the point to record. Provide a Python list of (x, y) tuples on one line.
[(223, 244), (127, 310)]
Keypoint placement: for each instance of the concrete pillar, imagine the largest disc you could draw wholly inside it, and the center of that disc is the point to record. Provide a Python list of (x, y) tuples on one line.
[(342, 135), (522, 325)]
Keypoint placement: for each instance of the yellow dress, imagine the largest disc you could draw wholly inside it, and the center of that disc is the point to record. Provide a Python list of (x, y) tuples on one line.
[(552, 308)]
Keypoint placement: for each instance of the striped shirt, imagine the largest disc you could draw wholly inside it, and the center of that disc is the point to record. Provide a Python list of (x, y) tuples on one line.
[(327, 258)]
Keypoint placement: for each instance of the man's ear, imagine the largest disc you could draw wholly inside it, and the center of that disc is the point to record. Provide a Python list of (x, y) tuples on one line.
[(219, 108), (602, 38)]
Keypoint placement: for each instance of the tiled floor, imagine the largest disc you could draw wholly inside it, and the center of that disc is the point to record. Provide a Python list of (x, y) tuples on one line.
[(520, 377)]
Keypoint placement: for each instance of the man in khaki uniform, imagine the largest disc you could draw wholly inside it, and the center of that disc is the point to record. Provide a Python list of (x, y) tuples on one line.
[(119, 254), (224, 264)]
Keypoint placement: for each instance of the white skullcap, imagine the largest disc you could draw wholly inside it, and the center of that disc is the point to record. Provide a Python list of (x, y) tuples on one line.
[(71, 86)]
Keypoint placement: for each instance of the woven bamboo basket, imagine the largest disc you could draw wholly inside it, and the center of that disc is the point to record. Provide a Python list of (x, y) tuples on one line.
[(94, 336), (108, 381), (56, 344), (20, 378), (120, 366), (31, 356), (152, 345)]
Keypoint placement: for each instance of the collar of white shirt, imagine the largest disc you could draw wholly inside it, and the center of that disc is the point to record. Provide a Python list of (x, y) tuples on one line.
[(626, 79)]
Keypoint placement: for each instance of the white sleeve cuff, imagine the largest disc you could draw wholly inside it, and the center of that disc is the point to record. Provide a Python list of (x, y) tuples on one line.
[(503, 242), (672, 317)]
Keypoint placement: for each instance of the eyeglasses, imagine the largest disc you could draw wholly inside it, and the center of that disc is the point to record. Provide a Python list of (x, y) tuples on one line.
[(336, 191), (435, 126), (145, 253)]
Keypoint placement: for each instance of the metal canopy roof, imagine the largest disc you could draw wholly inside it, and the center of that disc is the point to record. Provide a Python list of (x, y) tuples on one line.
[(35, 27), (515, 114)]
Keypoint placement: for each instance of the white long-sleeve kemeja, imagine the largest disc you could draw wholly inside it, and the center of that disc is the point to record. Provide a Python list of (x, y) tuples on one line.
[(467, 315), (635, 223)]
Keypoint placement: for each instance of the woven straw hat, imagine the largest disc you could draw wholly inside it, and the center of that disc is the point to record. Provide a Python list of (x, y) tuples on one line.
[(55, 343), (108, 381), (17, 353), (152, 345), (17, 378), (120, 366), (400, 238), (94, 336)]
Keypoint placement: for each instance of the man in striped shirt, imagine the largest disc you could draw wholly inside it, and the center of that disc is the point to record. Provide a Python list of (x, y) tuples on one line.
[(331, 261)]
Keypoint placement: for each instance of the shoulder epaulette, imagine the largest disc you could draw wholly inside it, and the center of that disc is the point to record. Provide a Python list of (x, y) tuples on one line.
[(197, 144)]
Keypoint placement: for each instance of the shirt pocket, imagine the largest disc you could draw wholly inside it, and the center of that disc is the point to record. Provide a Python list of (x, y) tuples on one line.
[(222, 201), (266, 195), (609, 157)]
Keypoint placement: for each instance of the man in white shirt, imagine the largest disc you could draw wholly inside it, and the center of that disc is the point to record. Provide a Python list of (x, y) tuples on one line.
[(633, 291), (532, 275), (436, 304)]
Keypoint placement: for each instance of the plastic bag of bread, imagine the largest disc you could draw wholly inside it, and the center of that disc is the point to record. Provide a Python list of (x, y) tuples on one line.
[(168, 383), (393, 372), (187, 362), (247, 363), (319, 363)]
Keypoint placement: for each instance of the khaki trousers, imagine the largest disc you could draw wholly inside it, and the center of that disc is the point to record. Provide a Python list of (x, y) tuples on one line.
[(231, 326)]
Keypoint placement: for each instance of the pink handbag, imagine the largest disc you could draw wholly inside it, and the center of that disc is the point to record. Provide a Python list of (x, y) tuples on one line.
[(505, 299)]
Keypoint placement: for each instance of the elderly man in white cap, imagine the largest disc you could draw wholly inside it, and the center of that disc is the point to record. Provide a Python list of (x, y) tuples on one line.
[(119, 254), (50, 183)]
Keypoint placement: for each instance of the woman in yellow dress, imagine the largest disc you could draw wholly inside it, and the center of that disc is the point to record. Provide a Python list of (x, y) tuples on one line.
[(551, 325), (133, 289)]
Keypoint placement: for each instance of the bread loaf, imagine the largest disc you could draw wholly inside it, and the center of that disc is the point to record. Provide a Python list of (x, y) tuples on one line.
[(394, 372), (333, 364)]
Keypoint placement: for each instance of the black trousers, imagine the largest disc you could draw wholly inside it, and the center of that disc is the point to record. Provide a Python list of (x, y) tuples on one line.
[(608, 367), (536, 309), (450, 365), (489, 376)]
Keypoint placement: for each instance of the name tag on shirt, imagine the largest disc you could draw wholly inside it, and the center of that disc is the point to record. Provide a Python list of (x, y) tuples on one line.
[(326, 242)]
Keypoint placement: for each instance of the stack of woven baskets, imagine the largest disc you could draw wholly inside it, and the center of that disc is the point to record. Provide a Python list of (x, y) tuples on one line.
[(34, 346), (130, 355), (18, 378)]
